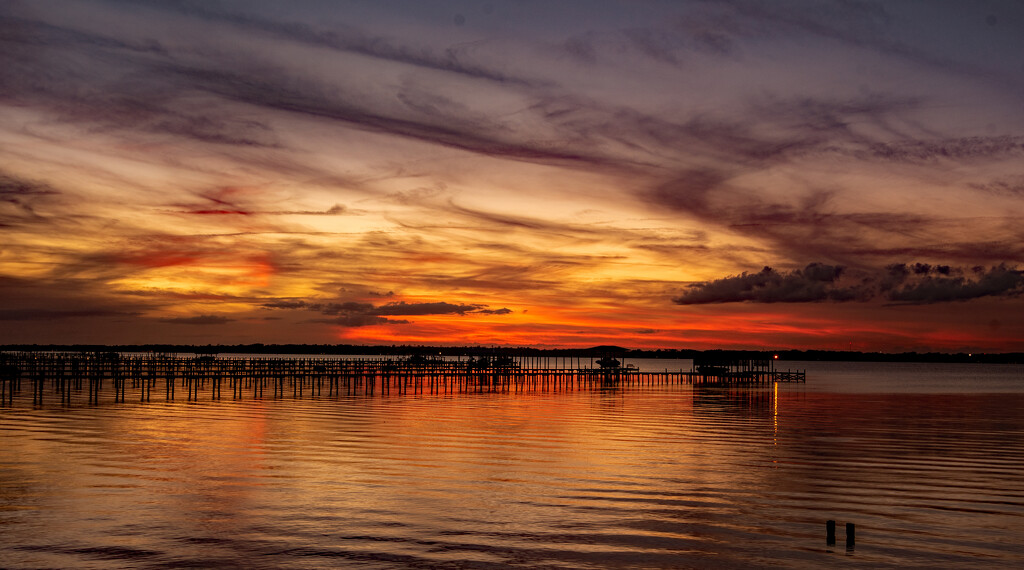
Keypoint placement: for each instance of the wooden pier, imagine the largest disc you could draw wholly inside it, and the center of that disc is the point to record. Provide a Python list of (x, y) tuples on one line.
[(77, 376), (734, 368)]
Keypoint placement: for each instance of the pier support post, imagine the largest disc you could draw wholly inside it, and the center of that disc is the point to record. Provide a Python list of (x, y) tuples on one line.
[(850, 536), (830, 532)]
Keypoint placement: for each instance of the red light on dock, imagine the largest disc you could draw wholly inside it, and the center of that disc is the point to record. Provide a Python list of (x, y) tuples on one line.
[(776, 357)]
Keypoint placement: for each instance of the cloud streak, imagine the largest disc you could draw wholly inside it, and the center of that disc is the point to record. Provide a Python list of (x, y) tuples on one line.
[(359, 314), (201, 320), (350, 39), (51, 315)]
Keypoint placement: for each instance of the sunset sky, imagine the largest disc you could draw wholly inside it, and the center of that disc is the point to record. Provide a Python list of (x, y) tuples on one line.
[(832, 175)]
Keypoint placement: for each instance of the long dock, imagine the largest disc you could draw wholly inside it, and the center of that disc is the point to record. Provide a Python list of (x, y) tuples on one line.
[(77, 376)]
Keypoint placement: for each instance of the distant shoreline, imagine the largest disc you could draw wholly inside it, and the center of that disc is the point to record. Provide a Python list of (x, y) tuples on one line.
[(597, 351)]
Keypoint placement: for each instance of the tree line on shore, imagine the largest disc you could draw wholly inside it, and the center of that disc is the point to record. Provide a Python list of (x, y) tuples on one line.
[(508, 351)]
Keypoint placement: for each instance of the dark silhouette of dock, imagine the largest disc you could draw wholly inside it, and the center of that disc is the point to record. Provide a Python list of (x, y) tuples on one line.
[(71, 376)]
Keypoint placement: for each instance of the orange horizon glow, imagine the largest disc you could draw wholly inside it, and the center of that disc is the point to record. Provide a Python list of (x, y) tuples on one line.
[(442, 332)]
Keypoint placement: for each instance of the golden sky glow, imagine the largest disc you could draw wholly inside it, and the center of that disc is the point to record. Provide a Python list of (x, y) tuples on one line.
[(569, 175)]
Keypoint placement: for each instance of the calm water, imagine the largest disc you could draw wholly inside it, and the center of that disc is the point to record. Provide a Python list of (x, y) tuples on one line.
[(927, 460)]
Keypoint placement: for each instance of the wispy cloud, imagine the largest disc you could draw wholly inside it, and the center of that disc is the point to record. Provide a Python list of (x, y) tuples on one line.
[(350, 39), (930, 151), (20, 199)]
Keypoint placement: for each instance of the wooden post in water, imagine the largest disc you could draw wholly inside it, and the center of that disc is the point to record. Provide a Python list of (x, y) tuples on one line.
[(850, 536), (37, 390), (830, 532)]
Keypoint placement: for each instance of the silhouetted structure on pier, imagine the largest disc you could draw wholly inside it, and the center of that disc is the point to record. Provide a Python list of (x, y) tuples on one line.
[(723, 367)]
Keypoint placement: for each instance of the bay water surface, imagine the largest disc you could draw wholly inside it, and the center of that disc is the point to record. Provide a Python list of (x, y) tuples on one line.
[(927, 460)]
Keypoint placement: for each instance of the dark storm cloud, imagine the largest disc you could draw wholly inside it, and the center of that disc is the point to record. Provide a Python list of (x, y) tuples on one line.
[(941, 285), (339, 308), (438, 308), (917, 283), (813, 283), (286, 304)]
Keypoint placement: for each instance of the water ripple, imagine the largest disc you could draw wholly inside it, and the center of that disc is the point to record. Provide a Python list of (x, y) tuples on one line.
[(655, 477)]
